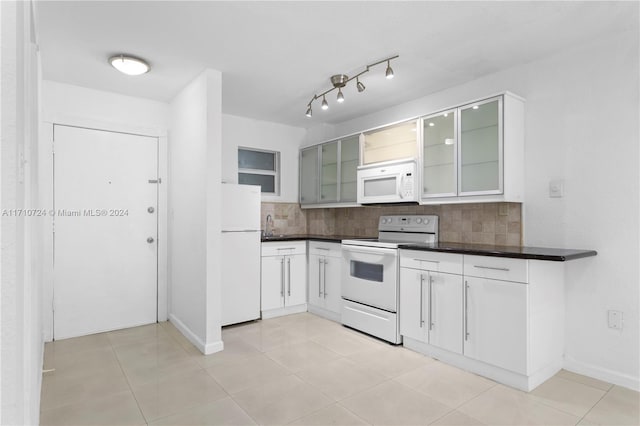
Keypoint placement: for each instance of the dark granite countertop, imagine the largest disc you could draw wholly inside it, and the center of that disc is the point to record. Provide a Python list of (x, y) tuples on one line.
[(538, 253), (310, 237)]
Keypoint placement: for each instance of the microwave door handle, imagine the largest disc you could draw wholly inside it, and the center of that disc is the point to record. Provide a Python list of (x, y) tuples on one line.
[(401, 182)]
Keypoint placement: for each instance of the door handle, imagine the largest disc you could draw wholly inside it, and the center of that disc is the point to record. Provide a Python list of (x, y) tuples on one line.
[(421, 298), (324, 277), (282, 277), (430, 302), (466, 311), (289, 275), (150, 240), (492, 268), (319, 278)]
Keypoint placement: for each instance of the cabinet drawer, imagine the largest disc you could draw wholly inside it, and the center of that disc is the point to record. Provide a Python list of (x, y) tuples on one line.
[(325, 249), (283, 248), (431, 261), (497, 268)]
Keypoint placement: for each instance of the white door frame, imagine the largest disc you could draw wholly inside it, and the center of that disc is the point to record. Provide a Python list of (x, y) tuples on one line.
[(45, 188)]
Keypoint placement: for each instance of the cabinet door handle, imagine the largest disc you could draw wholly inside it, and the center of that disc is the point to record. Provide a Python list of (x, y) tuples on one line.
[(282, 277), (491, 267), (324, 277), (421, 298), (286, 248), (430, 302), (466, 311), (289, 275), (319, 278), (426, 260)]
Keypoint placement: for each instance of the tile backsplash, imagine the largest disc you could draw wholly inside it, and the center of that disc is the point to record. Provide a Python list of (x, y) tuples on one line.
[(482, 223), (288, 218)]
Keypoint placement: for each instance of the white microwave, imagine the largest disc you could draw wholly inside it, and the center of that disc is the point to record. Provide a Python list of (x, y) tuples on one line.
[(390, 182)]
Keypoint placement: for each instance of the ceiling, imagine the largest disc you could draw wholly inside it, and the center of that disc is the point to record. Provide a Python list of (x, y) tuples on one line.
[(275, 55)]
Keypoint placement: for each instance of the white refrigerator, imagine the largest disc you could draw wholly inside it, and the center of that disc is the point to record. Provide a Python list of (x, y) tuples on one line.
[(240, 295)]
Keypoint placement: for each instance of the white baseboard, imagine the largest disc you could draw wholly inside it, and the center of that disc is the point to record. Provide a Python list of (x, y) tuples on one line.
[(211, 348), (206, 349), (615, 377), (324, 313), (500, 375), (272, 313)]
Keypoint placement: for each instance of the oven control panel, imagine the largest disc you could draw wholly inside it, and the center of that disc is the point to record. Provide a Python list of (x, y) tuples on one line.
[(412, 223)]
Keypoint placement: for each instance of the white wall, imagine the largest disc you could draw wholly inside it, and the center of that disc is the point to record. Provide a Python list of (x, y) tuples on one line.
[(194, 215), (21, 340), (74, 105), (250, 133), (64, 103), (582, 112), (321, 132)]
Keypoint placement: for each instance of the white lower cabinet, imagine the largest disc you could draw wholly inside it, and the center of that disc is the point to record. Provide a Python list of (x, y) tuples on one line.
[(324, 275), (430, 303), (496, 323), (283, 278), (499, 317)]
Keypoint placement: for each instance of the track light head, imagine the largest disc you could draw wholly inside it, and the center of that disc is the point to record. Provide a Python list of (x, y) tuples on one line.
[(340, 96), (325, 105), (309, 112), (389, 72), (359, 85)]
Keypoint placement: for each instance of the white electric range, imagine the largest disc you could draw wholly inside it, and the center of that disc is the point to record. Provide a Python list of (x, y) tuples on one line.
[(371, 270)]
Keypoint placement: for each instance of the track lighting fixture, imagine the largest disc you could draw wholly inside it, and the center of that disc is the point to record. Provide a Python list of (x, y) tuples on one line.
[(325, 105), (340, 80), (389, 72)]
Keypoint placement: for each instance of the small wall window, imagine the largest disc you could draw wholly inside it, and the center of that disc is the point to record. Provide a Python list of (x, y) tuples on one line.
[(259, 167)]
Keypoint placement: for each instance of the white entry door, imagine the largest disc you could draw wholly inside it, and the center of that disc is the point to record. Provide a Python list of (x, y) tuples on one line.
[(105, 231)]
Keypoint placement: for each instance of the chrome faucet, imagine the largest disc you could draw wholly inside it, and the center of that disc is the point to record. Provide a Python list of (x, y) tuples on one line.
[(268, 228)]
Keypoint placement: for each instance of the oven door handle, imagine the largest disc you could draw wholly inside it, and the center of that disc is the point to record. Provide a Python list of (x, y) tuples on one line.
[(369, 250)]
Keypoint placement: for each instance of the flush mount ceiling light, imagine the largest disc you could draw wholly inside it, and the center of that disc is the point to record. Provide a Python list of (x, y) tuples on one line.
[(129, 65), (340, 80)]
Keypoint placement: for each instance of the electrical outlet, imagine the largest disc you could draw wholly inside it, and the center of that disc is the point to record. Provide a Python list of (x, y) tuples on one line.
[(615, 319)]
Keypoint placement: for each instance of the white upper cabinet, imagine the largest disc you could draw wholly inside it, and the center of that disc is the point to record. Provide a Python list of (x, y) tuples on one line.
[(349, 158), (328, 173), (395, 142), (474, 152), (467, 153), (480, 142), (309, 175), (439, 155)]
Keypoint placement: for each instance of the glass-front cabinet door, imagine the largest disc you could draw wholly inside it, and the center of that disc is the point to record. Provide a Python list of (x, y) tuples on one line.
[(329, 173), (439, 153), (395, 142), (480, 138), (349, 156), (309, 175)]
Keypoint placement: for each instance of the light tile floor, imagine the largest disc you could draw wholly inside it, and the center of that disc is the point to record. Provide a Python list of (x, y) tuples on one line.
[(302, 370)]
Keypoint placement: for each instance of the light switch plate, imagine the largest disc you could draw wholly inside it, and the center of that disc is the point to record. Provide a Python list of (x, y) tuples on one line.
[(615, 319), (556, 189)]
